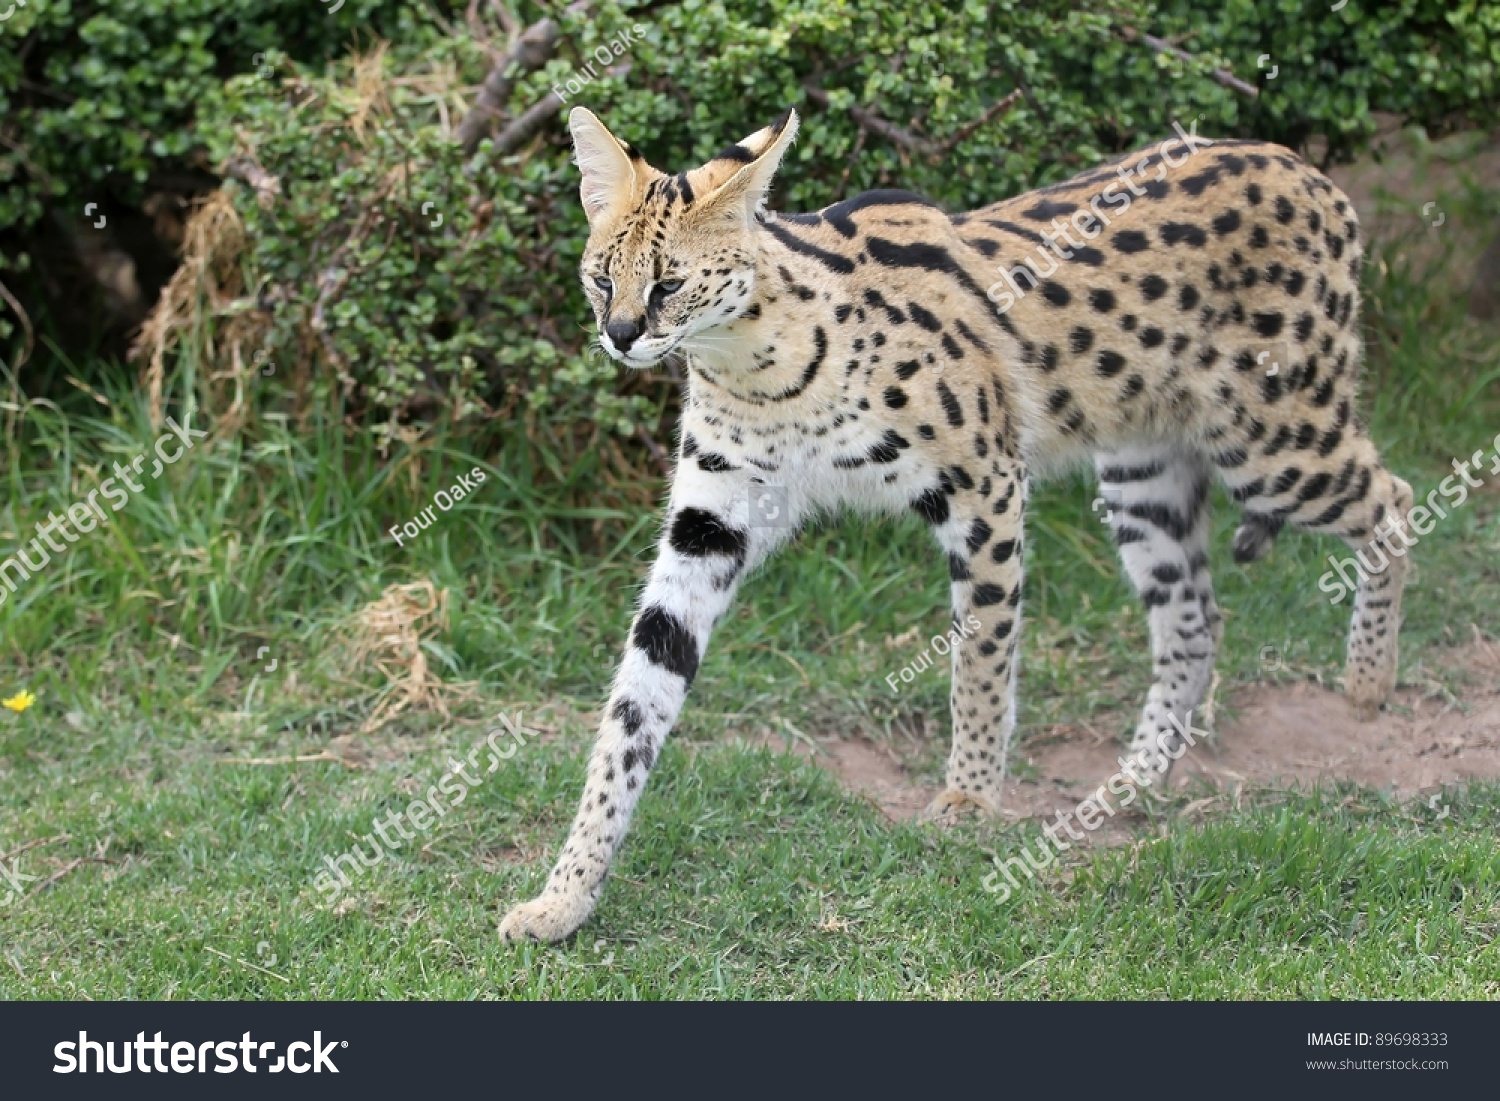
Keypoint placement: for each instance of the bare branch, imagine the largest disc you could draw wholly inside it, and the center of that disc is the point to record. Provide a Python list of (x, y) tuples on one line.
[(1223, 76), (530, 51), (996, 109), (873, 124), (528, 124), (876, 125)]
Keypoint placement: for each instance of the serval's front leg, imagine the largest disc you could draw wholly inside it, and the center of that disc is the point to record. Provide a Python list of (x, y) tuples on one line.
[(981, 528), (707, 544)]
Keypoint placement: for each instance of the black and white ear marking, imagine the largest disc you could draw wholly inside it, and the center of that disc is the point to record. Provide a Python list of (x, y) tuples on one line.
[(747, 188), (607, 169)]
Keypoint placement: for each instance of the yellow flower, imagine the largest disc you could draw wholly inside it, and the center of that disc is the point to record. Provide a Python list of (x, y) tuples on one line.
[(19, 702)]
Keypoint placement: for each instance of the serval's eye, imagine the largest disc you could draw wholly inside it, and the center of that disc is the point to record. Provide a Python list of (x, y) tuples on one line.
[(670, 286), (604, 282)]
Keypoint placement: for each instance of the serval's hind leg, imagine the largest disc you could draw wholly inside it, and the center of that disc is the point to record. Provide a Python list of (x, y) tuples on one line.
[(1158, 509)]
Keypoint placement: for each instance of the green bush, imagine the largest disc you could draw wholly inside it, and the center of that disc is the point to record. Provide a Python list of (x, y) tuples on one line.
[(96, 94), (353, 289)]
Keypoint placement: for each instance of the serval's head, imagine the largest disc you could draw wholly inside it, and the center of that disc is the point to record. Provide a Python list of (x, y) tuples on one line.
[(670, 258)]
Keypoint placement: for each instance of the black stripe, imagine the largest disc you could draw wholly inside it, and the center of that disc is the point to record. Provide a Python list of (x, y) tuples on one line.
[(1019, 231), (698, 533), (1121, 474), (951, 406), (666, 642), (831, 260), (820, 338), (838, 214), (930, 258)]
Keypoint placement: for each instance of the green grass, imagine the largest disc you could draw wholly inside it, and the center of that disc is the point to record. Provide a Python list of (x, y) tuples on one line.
[(747, 873)]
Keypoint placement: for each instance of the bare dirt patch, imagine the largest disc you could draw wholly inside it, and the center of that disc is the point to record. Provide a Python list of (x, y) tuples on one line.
[(1271, 737)]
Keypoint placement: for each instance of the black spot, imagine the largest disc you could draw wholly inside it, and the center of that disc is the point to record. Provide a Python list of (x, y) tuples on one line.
[(666, 642), (1253, 195), (1091, 257), (1153, 287), (1295, 281), (950, 346), (1194, 185), (988, 594), (1285, 211), (1151, 336), (895, 397), (907, 368), (1181, 232), (1080, 340), (841, 314), (1266, 324), (1102, 300), (1056, 293), (1131, 240), (1046, 210), (1227, 222), (1000, 553), (1058, 399), (629, 715), (958, 569), (1110, 363), (1259, 238), (1187, 297), (979, 535)]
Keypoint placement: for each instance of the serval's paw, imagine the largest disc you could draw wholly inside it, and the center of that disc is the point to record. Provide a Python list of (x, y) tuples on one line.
[(549, 917), (951, 806)]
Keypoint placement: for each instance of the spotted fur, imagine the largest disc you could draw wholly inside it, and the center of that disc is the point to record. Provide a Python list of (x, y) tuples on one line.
[(884, 355)]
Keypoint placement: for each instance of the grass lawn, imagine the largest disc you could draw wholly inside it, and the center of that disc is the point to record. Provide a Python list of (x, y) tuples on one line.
[(164, 870)]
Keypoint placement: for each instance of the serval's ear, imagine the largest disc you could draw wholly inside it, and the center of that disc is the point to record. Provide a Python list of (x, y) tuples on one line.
[(607, 164), (738, 179)]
